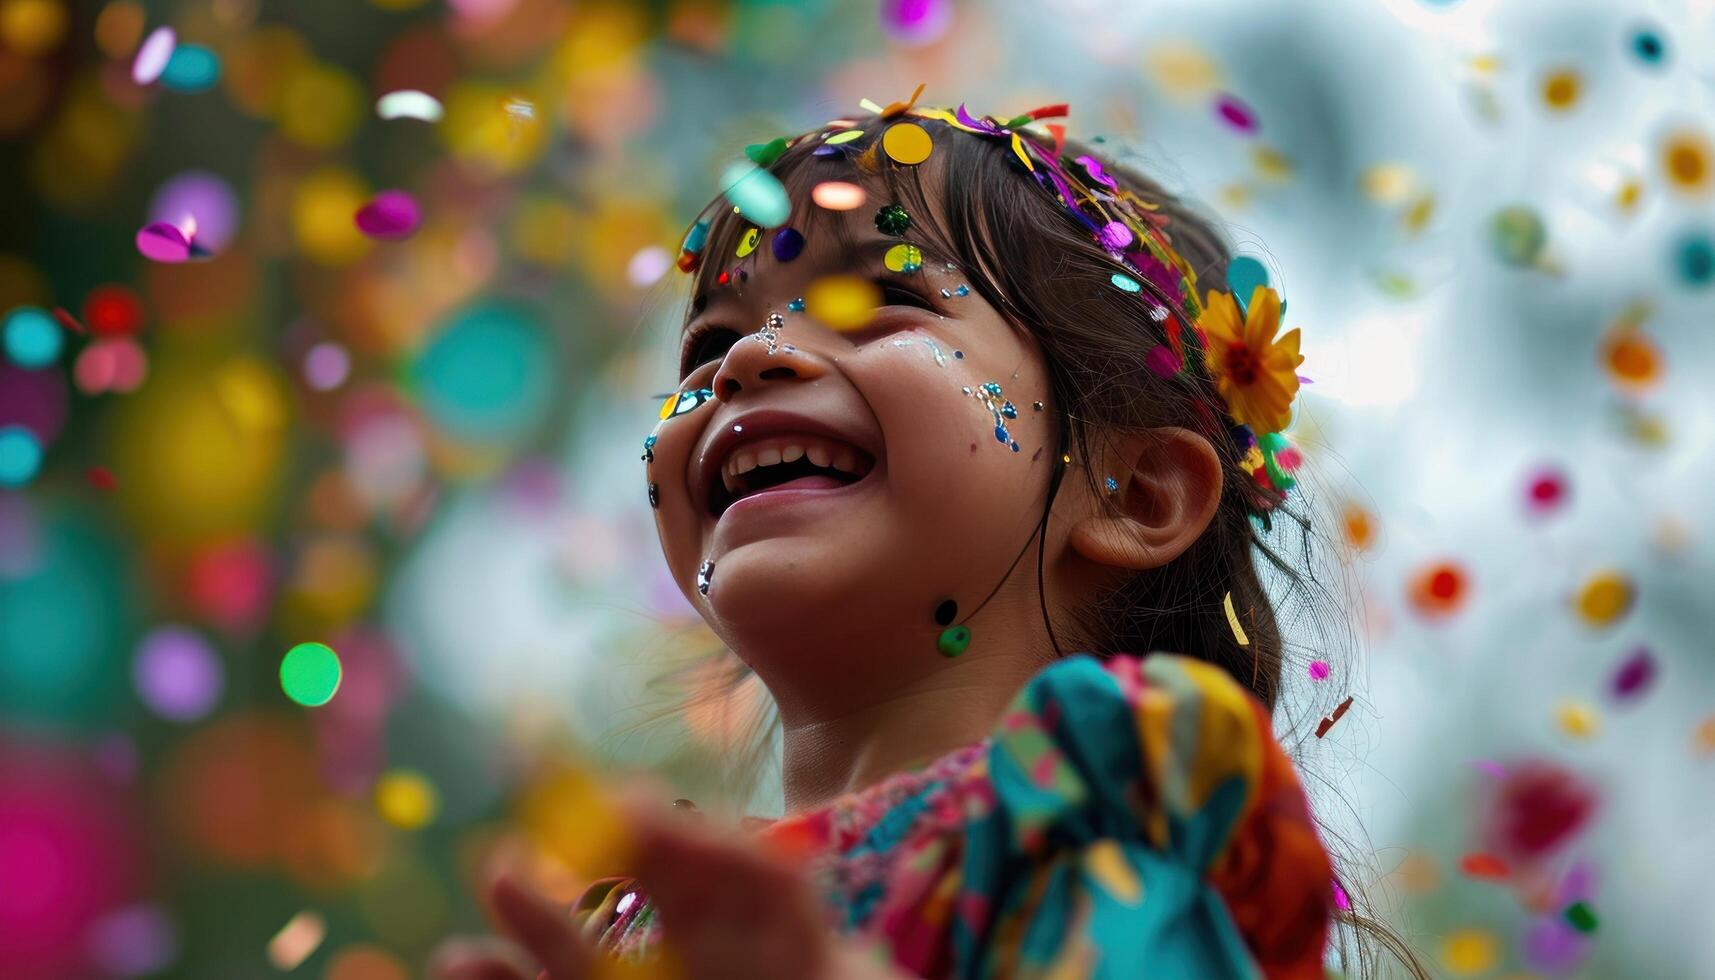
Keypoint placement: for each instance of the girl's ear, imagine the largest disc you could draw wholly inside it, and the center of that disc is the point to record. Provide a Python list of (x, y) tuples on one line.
[(1166, 488)]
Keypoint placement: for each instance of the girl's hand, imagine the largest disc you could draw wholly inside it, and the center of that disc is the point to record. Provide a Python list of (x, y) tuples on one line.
[(729, 908)]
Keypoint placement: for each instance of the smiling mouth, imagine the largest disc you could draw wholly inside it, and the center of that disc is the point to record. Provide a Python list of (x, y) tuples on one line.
[(815, 469)]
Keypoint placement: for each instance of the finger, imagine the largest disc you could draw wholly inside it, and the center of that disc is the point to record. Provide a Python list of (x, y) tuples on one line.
[(476, 959), (544, 928)]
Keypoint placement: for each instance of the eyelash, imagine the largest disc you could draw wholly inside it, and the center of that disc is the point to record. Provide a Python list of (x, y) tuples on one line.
[(695, 355)]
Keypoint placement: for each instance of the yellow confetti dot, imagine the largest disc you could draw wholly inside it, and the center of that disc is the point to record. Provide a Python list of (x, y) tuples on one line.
[(1271, 164), (1417, 217), (747, 244), (406, 799), (1387, 183), (320, 106), (667, 406), (569, 816), (1577, 719), (1604, 598), (1703, 737), (907, 143), (251, 395), (32, 27), (1106, 863), (1686, 161), (1182, 71), (1560, 89), (842, 302), (903, 258), (1468, 952), (845, 137)]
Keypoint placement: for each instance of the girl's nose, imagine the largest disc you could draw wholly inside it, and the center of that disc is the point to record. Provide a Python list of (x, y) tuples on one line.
[(765, 357)]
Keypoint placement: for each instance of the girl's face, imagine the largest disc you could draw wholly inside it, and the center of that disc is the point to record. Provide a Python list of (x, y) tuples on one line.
[(837, 486)]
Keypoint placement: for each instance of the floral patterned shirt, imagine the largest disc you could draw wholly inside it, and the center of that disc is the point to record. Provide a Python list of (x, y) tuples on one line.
[(1127, 817)]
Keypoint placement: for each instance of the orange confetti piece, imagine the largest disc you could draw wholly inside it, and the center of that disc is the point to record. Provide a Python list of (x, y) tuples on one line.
[(1439, 589), (1481, 865)]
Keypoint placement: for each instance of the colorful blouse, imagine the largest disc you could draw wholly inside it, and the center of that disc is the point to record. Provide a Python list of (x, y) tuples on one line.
[(1127, 817)]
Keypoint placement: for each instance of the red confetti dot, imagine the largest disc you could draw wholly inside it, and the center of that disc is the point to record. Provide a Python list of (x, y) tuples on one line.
[(1547, 491), (1439, 589), (68, 321), (113, 311), (1481, 865), (101, 478)]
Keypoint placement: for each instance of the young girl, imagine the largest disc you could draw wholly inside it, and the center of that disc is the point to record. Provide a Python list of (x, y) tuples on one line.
[(959, 440)]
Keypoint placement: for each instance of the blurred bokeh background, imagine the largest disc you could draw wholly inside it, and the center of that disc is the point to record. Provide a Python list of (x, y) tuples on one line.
[(324, 549)]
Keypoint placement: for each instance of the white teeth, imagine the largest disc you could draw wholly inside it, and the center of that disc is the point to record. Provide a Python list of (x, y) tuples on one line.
[(846, 461), (791, 454), (818, 454), (768, 457), (743, 463), (728, 479)]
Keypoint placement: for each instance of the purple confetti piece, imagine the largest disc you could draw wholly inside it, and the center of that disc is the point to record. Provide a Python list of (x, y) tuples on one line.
[(1634, 676), (981, 125), (390, 215), (163, 242), (1578, 884), (1161, 361), (1553, 946), (1491, 768), (1235, 113), (1093, 167), (787, 244), (1115, 235)]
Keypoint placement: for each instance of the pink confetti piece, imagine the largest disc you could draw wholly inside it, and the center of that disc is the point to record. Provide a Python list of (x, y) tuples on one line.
[(1634, 676), (163, 242), (153, 55), (390, 215), (1319, 670)]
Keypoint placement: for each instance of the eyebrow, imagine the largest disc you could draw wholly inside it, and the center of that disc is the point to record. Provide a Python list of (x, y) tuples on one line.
[(873, 249)]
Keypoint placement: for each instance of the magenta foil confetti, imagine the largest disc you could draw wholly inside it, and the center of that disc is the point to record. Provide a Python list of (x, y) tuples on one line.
[(1115, 235), (1235, 114), (163, 242), (390, 216), (1093, 167), (1634, 676)]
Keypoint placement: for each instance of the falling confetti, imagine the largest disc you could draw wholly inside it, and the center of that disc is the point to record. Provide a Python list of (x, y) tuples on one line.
[(1329, 721), (842, 302), (409, 104), (310, 674), (1604, 598), (390, 216), (1233, 621), (297, 940), (1439, 589)]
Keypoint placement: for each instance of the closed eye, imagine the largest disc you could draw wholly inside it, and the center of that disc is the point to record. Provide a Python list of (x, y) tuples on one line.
[(704, 346)]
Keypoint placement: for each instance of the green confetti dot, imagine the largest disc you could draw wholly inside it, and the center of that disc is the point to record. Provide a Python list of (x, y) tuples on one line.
[(310, 674), (1581, 917)]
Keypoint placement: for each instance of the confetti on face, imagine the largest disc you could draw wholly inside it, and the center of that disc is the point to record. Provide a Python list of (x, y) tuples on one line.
[(838, 195), (989, 393), (705, 575), (903, 258), (842, 302), (649, 449), (770, 332), (391, 216), (409, 104), (907, 143), (681, 402)]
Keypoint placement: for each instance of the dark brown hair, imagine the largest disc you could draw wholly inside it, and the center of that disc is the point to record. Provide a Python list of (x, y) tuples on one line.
[(1017, 246)]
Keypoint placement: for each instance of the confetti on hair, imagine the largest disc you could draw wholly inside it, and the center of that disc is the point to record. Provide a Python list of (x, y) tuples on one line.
[(1328, 722), (1233, 621), (838, 195)]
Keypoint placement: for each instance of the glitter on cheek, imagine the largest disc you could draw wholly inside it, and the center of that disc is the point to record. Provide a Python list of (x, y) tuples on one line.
[(649, 449), (989, 393), (704, 575), (654, 495)]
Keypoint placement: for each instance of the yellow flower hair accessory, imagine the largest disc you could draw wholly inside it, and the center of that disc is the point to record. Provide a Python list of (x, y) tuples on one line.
[(1255, 373)]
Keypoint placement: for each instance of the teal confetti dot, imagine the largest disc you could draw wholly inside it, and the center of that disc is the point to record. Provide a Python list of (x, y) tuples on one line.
[(192, 68), (488, 375), (32, 338), (20, 456), (1244, 275), (1695, 261), (1126, 282), (756, 193), (310, 674)]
